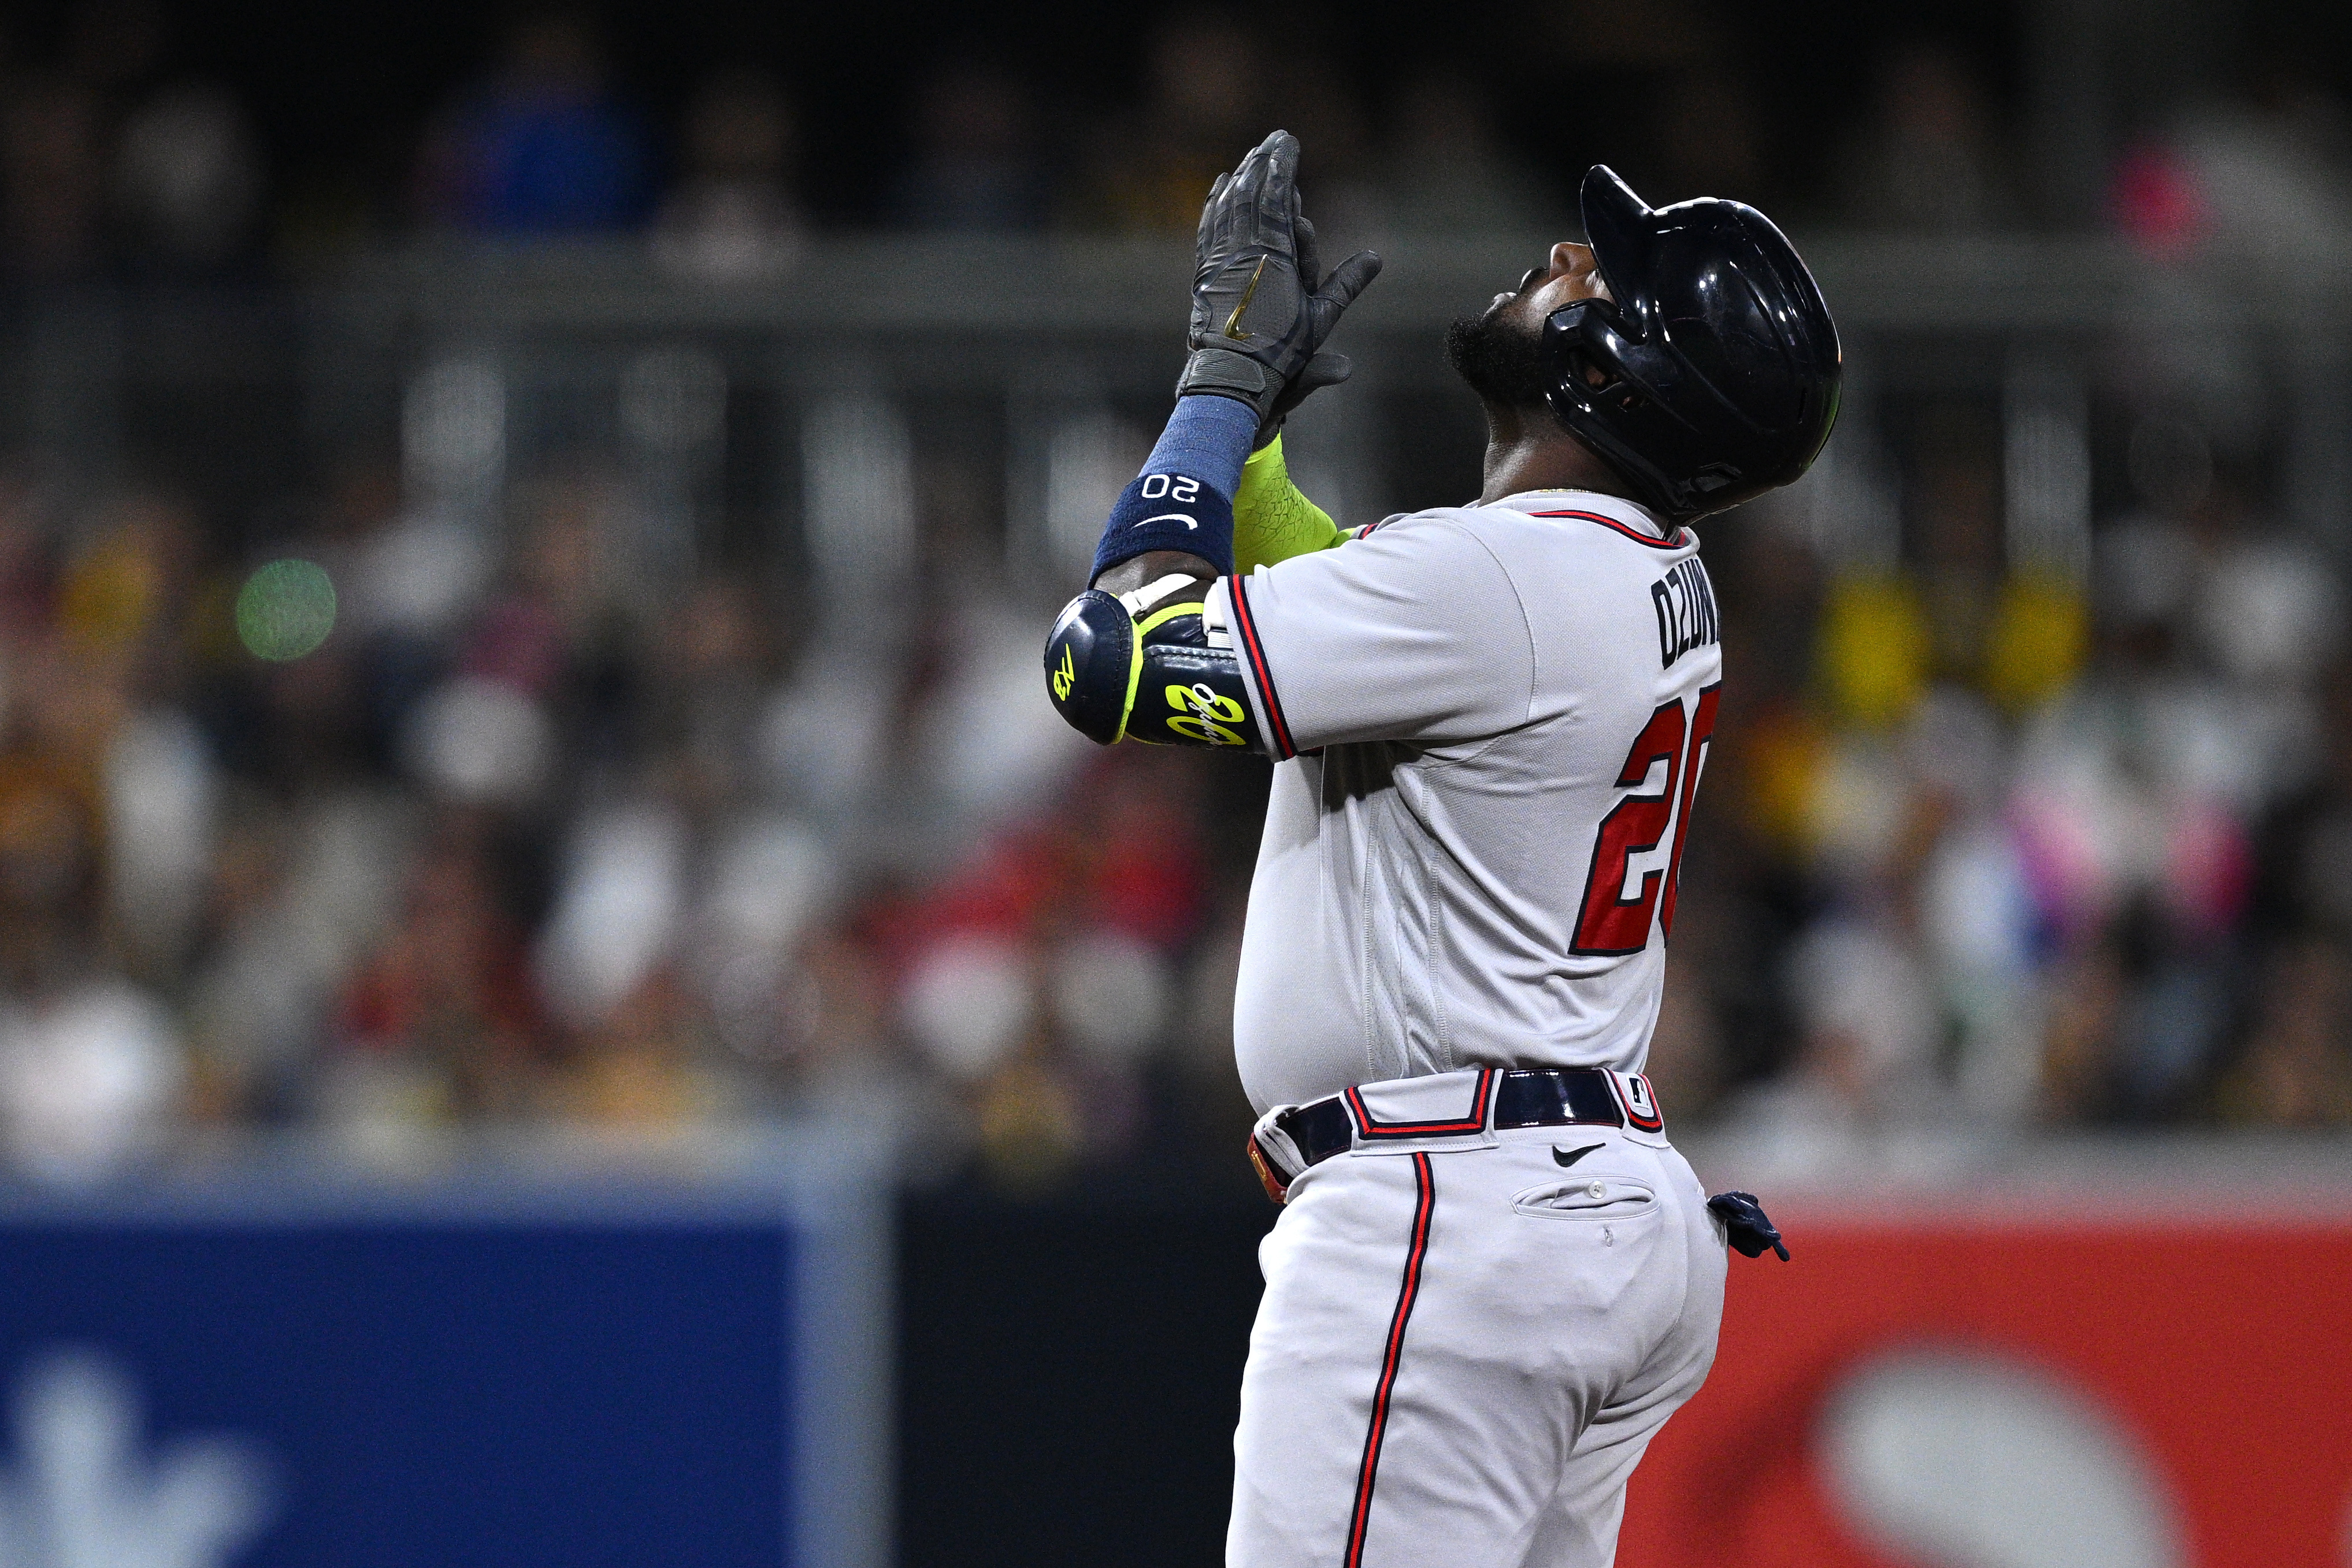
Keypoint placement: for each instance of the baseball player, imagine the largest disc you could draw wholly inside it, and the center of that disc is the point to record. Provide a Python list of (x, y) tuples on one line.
[(1493, 1278)]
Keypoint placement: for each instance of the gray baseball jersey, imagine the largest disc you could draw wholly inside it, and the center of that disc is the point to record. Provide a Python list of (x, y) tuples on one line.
[(1492, 721)]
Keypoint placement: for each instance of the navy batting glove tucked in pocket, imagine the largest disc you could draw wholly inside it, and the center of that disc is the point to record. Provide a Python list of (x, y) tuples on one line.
[(1745, 1224)]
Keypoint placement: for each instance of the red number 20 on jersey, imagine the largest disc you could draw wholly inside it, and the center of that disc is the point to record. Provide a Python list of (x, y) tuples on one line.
[(1610, 924)]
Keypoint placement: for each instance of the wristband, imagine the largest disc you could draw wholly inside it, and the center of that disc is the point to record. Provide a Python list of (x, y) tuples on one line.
[(1183, 499)]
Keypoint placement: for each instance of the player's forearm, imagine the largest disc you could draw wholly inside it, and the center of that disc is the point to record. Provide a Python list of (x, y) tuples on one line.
[(1134, 572), (1182, 502), (1272, 521), (1132, 657)]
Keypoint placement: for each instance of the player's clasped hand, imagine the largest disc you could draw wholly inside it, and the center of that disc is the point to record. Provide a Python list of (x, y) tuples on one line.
[(1261, 311), (1746, 1226)]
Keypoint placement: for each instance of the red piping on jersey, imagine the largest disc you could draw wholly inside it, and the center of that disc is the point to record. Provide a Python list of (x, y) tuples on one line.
[(1424, 1203), (1475, 1122), (1244, 622), (1636, 535)]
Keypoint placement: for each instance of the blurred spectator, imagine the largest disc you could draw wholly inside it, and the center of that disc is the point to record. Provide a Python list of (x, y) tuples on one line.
[(1687, 1051), (645, 1076), (618, 906), (768, 884), (975, 168), (1451, 171), (52, 137), (87, 1080), (833, 1035), (298, 903), (161, 787), (1340, 176), (704, 696), (1630, 35), (547, 660), (543, 147), (2296, 1069), (1710, 141), (187, 180), (165, 173), (2268, 169), (732, 213), (1869, 1024), (1201, 112), (440, 1020), (1957, 520), (89, 1065), (1930, 162), (48, 850)]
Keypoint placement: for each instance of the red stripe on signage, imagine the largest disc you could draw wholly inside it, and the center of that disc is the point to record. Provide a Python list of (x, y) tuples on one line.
[(1424, 1202), (1636, 535), (1246, 624)]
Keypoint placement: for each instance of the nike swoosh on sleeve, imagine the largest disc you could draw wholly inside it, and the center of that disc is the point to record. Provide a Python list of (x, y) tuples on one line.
[(1185, 518)]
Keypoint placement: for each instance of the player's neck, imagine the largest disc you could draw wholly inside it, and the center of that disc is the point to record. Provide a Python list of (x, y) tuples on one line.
[(1528, 450)]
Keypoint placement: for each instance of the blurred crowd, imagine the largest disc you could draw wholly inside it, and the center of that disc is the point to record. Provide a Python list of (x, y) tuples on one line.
[(2007, 840), (541, 843), (563, 837), (111, 163), (115, 161)]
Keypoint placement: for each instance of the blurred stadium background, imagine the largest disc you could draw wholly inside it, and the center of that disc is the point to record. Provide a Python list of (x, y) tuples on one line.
[(564, 997)]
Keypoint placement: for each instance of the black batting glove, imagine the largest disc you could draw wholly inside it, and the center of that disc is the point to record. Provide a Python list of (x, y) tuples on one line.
[(1328, 368), (1745, 1224), (1260, 311)]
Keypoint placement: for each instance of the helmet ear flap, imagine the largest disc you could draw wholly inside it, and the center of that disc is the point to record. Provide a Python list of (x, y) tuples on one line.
[(1581, 343), (1605, 381), (1621, 415), (1575, 357)]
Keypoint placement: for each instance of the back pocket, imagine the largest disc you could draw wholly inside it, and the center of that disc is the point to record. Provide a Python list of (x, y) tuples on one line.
[(1594, 1198)]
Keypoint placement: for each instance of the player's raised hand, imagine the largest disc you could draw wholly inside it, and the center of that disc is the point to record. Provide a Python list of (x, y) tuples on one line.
[(1329, 368), (1260, 307)]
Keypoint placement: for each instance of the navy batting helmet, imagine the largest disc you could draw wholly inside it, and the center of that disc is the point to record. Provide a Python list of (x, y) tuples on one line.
[(1713, 376)]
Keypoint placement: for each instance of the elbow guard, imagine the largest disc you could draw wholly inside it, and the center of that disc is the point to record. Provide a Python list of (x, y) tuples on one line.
[(1160, 680)]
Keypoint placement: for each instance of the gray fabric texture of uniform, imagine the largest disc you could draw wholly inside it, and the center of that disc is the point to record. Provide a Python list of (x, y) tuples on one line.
[(1463, 686)]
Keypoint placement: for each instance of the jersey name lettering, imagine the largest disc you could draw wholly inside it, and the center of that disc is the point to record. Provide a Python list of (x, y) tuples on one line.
[(1684, 602)]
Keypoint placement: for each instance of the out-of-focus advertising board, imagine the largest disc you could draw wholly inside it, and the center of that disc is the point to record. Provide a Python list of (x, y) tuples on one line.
[(2066, 1389), (269, 1376)]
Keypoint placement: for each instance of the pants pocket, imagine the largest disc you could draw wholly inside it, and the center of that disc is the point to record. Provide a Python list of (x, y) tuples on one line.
[(1609, 1198)]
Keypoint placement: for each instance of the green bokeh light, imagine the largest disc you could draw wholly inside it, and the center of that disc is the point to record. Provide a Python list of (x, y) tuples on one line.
[(285, 610)]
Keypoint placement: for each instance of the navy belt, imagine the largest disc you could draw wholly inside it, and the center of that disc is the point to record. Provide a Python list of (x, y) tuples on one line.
[(1527, 1097)]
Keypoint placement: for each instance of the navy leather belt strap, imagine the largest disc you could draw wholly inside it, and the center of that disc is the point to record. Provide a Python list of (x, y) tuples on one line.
[(1527, 1097)]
